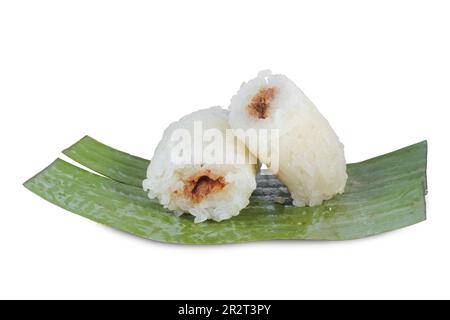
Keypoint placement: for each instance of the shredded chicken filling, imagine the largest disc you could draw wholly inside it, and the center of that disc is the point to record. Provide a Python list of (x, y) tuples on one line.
[(199, 186), (259, 106)]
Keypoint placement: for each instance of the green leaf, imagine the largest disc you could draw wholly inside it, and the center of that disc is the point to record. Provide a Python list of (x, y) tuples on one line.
[(382, 194), (117, 165)]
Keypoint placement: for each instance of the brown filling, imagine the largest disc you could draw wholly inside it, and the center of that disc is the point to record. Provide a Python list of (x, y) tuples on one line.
[(259, 106), (199, 186)]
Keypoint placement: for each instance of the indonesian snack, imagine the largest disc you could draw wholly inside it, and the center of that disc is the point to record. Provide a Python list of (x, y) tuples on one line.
[(306, 154), (207, 164), (206, 187)]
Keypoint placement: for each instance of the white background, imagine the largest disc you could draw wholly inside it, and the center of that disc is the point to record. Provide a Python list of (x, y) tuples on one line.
[(121, 71)]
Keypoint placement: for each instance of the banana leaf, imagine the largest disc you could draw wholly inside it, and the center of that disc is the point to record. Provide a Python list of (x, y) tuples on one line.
[(382, 194)]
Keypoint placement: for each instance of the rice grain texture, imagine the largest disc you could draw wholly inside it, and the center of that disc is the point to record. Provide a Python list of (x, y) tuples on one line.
[(310, 157), (206, 189)]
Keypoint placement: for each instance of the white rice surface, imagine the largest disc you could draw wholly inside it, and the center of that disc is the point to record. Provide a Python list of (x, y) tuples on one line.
[(167, 180), (311, 158)]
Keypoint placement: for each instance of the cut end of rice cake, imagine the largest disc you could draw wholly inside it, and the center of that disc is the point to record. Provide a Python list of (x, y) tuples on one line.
[(259, 106), (304, 153), (211, 189), (202, 184)]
